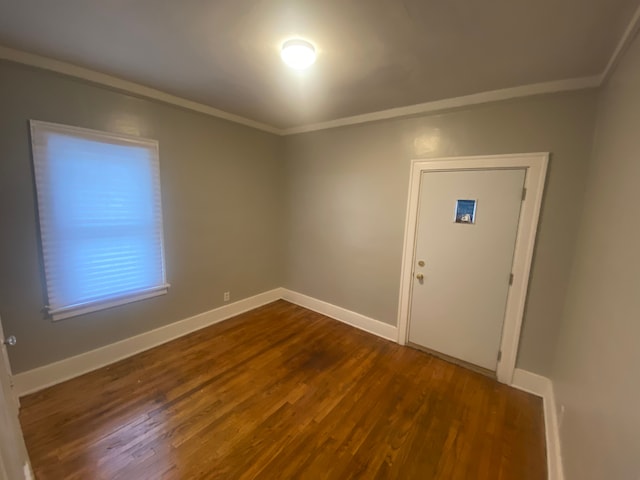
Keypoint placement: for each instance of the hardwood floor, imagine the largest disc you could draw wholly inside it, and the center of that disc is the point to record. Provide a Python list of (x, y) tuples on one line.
[(281, 392)]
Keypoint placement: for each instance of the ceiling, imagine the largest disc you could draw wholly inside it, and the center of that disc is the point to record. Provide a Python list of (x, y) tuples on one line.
[(373, 54)]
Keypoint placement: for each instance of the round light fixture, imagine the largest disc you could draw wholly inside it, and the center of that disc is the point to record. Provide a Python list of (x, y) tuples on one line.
[(298, 54)]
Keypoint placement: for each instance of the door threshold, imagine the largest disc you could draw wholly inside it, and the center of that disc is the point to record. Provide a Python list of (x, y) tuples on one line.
[(456, 361)]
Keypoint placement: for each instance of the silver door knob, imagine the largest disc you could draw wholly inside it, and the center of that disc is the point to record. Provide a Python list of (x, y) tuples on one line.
[(11, 341), (420, 276)]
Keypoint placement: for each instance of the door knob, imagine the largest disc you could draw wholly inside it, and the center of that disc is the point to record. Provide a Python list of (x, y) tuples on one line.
[(11, 341), (420, 276)]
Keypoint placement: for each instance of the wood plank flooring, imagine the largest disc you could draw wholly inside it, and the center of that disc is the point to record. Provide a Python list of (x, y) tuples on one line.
[(281, 393)]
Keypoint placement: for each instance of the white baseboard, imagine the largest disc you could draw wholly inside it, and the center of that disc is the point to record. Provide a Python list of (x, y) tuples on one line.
[(543, 387), (343, 315), (42, 377)]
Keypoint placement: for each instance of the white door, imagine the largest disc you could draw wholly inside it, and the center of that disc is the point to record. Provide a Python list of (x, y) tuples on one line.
[(14, 463), (462, 270)]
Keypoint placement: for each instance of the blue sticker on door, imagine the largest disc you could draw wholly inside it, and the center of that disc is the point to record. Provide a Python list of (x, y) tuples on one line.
[(465, 211)]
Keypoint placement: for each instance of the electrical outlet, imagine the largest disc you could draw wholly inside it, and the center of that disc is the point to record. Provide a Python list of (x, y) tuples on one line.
[(227, 296)]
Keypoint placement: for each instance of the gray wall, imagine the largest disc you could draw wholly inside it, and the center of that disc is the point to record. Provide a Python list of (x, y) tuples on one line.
[(321, 213), (595, 373), (222, 189), (347, 199)]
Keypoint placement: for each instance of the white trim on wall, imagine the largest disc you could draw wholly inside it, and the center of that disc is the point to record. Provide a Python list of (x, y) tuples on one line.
[(536, 166), (119, 84), (137, 89), (52, 374), (626, 39), (42, 377), (48, 375), (543, 387), (455, 102), (564, 85), (362, 322)]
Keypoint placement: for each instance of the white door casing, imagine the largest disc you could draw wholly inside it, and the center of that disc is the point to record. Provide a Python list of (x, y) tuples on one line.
[(458, 304), (535, 165), (14, 461)]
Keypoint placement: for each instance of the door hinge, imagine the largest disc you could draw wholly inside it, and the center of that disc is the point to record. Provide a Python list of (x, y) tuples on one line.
[(511, 279), (524, 194), (499, 355)]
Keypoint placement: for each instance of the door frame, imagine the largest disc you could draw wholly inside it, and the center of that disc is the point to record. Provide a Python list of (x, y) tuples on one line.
[(13, 436), (535, 165)]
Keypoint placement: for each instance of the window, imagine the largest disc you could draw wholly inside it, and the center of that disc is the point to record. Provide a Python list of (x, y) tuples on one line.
[(100, 218)]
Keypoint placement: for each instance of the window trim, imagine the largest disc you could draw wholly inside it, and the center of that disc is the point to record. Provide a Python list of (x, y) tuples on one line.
[(68, 311), (88, 307)]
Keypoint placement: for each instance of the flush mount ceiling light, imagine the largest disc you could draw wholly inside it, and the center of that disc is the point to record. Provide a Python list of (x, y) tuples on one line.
[(298, 54)]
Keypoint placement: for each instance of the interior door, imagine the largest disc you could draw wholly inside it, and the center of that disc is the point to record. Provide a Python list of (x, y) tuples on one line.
[(465, 240), (14, 462)]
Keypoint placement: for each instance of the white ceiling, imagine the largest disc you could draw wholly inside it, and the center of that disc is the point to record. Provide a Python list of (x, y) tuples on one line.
[(373, 54)]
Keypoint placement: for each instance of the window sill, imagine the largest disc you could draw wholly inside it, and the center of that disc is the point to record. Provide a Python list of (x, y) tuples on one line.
[(81, 309)]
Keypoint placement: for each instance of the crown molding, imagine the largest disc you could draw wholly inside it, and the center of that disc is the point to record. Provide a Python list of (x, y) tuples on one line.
[(116, 83), (578, 83), (456, 102), (626, 39)]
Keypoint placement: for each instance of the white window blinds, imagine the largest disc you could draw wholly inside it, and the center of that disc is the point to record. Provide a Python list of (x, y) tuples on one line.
[(100, 218)]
